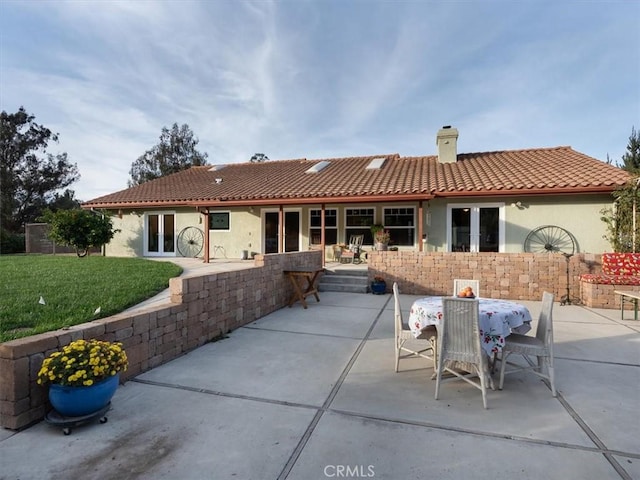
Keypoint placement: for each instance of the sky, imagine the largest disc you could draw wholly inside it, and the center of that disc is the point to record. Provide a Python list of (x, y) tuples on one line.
[(319, 78)]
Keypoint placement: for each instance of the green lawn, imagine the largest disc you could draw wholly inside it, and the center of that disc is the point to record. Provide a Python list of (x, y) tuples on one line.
[(72, 289)]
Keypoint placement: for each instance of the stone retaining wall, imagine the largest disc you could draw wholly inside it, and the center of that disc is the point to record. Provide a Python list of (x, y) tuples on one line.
[(515, 276), (202, 308)]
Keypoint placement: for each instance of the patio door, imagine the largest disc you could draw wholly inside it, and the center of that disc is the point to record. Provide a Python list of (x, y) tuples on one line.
[(160, 234), (475, 228), (272, 231)]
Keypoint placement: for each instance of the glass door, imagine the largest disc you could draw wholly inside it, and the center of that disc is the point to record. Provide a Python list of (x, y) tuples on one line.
[(271, 232), (291, 231), (160, 238), (475, 228)]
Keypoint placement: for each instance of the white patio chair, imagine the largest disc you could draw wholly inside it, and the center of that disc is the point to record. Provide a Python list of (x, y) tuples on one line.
[(404, 333), (459, 345), (459, 284), (540, 346)]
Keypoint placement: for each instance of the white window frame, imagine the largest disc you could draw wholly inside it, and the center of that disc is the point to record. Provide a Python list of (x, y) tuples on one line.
[(347, 227), (413, 227), (325, 227), (475, 224)]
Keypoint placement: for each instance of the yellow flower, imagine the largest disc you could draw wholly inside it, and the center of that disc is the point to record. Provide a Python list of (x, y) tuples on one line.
[(83, 362)]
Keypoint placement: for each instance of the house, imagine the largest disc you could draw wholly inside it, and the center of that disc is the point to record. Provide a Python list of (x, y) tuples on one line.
[(539, 199)]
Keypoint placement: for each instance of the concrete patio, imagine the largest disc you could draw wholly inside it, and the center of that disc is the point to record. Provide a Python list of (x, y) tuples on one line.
[(311, 394)]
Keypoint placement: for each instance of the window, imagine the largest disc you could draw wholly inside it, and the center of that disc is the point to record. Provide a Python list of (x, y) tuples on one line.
[(475, 228), (219, 221), (330, 226), (400, 223), (358, 222)]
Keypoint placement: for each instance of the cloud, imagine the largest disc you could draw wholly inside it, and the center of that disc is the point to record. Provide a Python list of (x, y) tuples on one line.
[(313, 79)]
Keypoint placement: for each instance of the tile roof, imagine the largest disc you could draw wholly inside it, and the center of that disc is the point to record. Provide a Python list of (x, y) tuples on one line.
[(531, 171)]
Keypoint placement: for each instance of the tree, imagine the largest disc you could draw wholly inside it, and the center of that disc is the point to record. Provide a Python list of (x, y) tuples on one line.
[(175, 152), (631, 159), (259, 158), (79, 228), (64, 201), (620, 218), (29, 176)]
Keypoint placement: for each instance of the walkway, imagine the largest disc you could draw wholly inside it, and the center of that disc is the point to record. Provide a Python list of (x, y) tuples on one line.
[(311, 394)]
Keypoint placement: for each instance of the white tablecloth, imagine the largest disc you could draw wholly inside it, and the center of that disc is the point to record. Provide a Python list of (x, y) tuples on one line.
[(498, 318)]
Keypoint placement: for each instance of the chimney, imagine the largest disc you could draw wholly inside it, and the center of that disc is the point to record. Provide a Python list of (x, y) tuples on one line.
[(447, 142)]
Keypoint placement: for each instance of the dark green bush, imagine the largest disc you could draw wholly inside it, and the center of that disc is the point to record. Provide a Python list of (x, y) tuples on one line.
[(11, 242)]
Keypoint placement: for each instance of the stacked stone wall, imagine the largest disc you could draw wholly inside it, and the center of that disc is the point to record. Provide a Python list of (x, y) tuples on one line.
[(202, 308)]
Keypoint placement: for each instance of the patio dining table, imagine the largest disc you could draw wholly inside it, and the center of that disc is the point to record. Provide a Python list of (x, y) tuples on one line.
[(498, 319)]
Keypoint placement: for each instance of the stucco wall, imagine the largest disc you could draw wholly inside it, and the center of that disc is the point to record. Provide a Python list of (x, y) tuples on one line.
[(201, 309), (580, 216)]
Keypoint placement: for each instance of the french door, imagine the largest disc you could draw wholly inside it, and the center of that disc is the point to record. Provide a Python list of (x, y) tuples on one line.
[(160, 234), (272, 231), (475, 228)]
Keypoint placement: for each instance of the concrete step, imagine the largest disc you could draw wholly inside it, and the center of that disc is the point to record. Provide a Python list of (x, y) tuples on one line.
[(352, 272), (345, 279), (339, 287)]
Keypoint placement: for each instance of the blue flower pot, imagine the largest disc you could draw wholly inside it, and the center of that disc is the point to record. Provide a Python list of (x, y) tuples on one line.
[(79, 401), (378, 288)]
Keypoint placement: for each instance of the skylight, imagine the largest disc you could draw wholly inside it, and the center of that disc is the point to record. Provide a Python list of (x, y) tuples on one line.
[(376, 163), (318, 167)]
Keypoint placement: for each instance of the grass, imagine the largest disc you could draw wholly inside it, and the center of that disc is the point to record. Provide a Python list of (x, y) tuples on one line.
[(72, 289)]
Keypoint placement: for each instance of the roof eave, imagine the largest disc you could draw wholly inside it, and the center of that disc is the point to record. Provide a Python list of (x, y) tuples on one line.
[(396, 197), (527, 191)]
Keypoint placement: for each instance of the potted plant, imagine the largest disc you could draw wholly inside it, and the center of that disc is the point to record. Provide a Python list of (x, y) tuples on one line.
[(381, 239), (83, 376), (378, 286)]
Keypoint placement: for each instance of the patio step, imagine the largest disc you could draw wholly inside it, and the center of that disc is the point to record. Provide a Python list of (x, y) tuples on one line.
[(344, 280)]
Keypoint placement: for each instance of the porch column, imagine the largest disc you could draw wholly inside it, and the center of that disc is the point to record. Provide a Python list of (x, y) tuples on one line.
[(420, 226), (206, 235), (322, 239), (281, 229)]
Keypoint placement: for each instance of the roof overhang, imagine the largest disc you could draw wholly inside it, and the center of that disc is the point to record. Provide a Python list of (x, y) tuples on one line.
[(608, 189), (222, 202)]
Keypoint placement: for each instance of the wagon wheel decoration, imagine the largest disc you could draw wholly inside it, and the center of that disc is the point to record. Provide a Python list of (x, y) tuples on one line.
[(190, 242), (550, 239)]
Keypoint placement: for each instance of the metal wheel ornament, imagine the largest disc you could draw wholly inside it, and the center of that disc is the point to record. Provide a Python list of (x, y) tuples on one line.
[(550, 239), (190, 242)]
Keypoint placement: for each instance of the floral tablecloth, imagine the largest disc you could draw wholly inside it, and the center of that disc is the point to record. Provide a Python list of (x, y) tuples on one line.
[(498, 318)]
